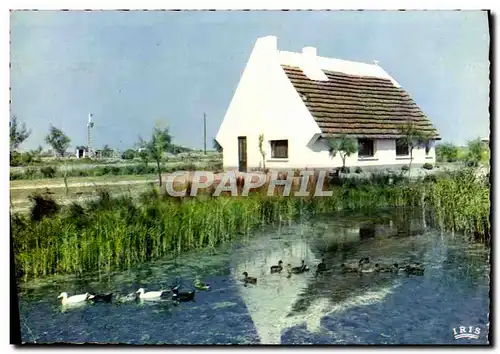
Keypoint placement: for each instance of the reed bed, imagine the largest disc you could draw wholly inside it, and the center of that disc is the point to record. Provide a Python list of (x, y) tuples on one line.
[(117, 233)]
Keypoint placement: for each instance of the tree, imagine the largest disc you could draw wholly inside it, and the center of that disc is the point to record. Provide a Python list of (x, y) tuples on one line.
[(160, 143), (18, 133), (217, 146), (37, 153), (446, 152), (128, 154), (344, 146), (262, 152), (413, 138), (57, 140), (475, 151), (107, 151)]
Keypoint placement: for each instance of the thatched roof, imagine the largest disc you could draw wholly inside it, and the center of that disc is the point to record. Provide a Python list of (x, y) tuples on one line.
[(359, 106)]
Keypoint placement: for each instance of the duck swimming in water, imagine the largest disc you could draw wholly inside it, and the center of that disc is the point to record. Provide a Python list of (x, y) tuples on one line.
[(354, 268), (414, 268), (302, 268), (277, 268), (383, 268), (249, 280), (321, 267), (182, 297), (150, 294), (198, 284), (102, 298), (74, 299)]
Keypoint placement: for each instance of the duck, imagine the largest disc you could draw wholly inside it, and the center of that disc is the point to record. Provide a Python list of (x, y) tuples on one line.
[(182, 297), (414, 268), (198, 284), (302, 268), (249, 280), (321, 267), (150, 294), (277, 268), (354, 268), (127, 298), (383, 268), (75, 298), (102, 298)]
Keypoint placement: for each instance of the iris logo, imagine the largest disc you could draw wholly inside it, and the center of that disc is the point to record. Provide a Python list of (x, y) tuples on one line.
[(466, 332)]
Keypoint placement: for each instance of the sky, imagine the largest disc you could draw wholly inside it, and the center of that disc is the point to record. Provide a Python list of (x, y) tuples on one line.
[(133, 69)]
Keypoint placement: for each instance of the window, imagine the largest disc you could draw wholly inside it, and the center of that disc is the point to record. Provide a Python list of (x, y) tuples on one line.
[(365, 148), (402, 148), (427, 149), (279, 149)]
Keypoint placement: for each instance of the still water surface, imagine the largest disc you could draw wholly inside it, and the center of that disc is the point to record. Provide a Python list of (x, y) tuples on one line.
[(330, 308)]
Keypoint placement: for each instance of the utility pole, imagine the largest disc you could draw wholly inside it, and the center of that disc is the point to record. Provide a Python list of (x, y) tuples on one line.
[(204, 133)]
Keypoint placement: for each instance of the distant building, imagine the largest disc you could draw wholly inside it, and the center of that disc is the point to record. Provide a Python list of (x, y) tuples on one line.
[(81, 152)]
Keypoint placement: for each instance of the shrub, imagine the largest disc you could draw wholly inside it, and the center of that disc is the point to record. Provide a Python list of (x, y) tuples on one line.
[(115, 170), (15, 159), (44, 205), (48, 172), (446, 152), (405, 168), (358, 169), (129, 154), (345, 170), (82, 173), (427, 166), (30, 172), (14, 176)]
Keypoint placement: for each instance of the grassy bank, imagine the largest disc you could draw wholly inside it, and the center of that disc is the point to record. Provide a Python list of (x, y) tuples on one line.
[(116, 233), (49, 172)]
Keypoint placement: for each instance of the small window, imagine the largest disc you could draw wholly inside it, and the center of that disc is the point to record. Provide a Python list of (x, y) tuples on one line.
[(427, 149), (365, 148), (402, 148), (279, 149)]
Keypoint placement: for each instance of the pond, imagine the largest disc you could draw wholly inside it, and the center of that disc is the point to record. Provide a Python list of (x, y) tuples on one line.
[(308, 308)]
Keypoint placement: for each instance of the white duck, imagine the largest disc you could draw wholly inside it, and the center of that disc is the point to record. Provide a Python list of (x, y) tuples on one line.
[(149, 294), (75, 298)]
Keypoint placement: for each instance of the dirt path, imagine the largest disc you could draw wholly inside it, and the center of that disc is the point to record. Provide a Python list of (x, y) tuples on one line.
[(85, 184)]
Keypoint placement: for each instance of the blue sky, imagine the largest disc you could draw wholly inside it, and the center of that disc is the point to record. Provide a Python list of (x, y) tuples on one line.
[(133, 69)]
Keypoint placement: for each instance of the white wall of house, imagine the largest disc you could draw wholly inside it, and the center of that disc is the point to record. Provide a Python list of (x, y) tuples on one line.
[(265, 101)]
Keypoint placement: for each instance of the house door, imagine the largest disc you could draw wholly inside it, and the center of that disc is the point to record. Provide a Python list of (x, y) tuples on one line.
[(242, 153)]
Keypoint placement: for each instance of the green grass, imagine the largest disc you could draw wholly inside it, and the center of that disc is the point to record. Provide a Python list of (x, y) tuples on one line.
[(117, 233)]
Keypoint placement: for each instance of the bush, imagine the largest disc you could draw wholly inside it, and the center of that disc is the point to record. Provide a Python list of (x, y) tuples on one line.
[(26, 158), (82, 173), (405, 168), (30, 172), (48, 172), (358, 169), (345, 170), (129, 154), (446, 152), (427, 166), (14, 176), (44, 205), (15, 159)]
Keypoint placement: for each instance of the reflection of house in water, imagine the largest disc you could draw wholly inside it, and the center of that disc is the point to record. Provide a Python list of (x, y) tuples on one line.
[(277, 302)]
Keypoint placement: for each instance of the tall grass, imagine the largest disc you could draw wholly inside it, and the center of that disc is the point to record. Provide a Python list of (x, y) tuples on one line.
[(117, 233)]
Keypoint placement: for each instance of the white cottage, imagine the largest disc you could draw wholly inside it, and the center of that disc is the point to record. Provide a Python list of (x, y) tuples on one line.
[(297, 100)]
